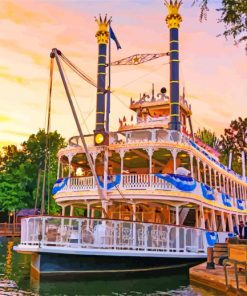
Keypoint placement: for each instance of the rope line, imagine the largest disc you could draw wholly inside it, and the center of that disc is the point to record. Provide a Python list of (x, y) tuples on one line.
[(74, 97)]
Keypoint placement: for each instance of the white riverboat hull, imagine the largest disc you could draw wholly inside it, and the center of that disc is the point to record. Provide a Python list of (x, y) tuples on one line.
[(63, 245)]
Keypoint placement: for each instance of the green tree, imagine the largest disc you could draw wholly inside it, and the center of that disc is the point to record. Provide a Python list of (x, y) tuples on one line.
[(13, 194), (233, 15), (208, 137), (11, 158), (19, 170), (234, 139)]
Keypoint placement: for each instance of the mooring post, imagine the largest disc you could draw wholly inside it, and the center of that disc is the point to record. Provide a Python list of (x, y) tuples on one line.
[(210, 258)]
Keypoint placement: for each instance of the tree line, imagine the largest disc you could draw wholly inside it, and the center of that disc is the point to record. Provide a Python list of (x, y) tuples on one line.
[(19, 169), (233, 140)]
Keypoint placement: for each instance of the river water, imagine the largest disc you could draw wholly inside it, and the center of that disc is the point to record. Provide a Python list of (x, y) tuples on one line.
[(15, 269)]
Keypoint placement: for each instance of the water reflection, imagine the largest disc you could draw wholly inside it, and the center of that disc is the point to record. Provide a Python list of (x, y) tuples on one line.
[(16, 267), (9, 252)]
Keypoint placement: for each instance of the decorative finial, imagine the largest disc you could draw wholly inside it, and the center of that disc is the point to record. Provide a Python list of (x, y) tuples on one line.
[(173, 19), (102, 34)]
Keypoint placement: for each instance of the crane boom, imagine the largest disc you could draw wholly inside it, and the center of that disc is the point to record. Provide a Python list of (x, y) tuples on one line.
[(55, 54)]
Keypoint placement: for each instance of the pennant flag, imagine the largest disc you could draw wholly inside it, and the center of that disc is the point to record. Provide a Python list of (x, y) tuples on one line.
[(113, 37)]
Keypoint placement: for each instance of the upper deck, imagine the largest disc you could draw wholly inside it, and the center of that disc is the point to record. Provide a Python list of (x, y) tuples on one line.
[(154, 112), (153, 139)]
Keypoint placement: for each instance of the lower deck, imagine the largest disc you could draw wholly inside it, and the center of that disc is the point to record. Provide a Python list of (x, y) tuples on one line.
[(66, 244), (113, 235)]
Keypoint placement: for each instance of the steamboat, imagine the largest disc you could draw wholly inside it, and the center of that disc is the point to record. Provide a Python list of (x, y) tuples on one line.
[(151, 196)]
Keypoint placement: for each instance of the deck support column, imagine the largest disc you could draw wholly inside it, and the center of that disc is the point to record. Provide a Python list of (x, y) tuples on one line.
[(227, 186), (177, 228), (88, 215), (204, 172), (234, 189), (234, 196), (70, 157), (197, 222), (215, 181), (198, 169), (88, 210), (231, 187), (224, 184), (210, 177), (134, 212), (63, 210), (174, 155), (214, 220), (191, 165), (92, 213), (223, 223), (121, 153), (230, 222), (134, 224), (71, 211), (219, 175), (62, 166), (58, 167), (150, 152), (177, 215), (237, 219), (202, 217)]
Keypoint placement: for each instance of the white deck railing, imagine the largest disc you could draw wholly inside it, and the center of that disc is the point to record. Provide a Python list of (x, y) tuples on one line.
[(134, 182), (110, 234), (144, 181), (130, 181), (80, 184)]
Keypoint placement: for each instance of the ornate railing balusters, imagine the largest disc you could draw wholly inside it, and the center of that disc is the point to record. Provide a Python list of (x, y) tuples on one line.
[(86, 233)]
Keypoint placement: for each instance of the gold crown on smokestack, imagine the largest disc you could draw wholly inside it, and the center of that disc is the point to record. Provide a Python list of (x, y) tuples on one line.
[(102, 34), (173, 18)]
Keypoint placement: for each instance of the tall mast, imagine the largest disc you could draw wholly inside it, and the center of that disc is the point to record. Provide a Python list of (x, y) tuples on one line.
[(108, 101), (102, 36), (173, 21)]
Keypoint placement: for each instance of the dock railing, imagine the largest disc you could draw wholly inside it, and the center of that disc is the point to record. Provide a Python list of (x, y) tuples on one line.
[(238, 259), (10, 229), (110, 234)]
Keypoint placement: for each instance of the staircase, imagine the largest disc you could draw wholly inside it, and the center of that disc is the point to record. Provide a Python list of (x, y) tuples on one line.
[(182, 215), (190, 219)]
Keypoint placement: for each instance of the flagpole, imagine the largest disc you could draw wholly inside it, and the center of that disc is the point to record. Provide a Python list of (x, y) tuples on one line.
[(108, 101)]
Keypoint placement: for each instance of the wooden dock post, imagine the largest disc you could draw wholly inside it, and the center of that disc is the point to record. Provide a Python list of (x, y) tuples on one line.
[(210, 258)]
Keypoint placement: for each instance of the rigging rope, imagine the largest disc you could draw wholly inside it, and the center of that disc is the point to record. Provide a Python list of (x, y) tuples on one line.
[(47, 140), (142, 76), (78, 71), (73, 94)]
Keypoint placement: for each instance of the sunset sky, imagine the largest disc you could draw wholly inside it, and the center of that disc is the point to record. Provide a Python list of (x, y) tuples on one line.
[(213, 70)]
